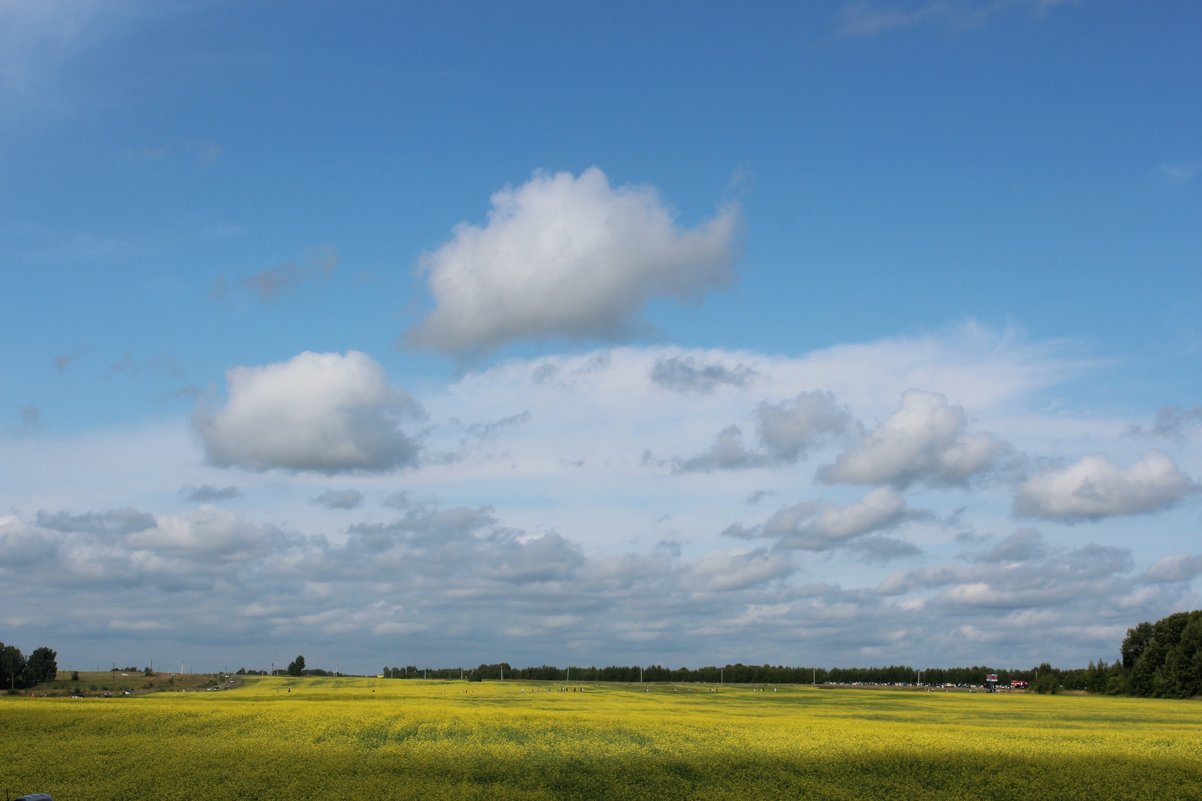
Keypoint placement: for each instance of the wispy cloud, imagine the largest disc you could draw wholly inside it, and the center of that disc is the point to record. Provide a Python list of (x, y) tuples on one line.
[(201, 152), (864, 19), (269, 284), (64, 360), (1171, 422), (207, 493), (1179, 173)]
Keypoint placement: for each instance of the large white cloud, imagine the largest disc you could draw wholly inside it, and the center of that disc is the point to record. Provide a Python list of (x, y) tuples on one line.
[(324, 412), (566, 256), (1095, 487), (925, 441)]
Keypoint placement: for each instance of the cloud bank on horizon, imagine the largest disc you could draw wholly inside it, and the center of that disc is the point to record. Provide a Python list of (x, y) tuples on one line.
[(616, 417)]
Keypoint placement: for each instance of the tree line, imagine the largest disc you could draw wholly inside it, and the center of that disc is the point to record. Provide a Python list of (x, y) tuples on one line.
[(1160, 660), (18, 672), (737, 673)]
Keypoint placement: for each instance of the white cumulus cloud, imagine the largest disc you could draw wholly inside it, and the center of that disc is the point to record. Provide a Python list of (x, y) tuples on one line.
[(324, 412), (789, 428), (813, 526), (566, 256), (1095, 487), (925, 441)]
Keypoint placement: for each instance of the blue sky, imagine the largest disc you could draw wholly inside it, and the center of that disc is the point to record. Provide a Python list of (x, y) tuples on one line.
[(829, 333)]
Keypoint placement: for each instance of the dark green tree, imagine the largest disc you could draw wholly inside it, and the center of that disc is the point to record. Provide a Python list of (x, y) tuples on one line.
[(1162, 659), (41, 665), (297, 666), (1134, 643), (12, 667)]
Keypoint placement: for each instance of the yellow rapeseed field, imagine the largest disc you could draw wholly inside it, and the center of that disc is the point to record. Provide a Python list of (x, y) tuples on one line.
[(277, 738)]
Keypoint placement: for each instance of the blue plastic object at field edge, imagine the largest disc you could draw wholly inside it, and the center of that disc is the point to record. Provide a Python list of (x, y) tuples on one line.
[(35, 797)]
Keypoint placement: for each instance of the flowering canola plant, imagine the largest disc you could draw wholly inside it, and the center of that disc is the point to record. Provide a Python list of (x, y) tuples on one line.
[(321, 738)]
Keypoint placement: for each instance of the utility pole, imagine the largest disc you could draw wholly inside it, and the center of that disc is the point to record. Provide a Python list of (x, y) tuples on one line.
[(722, 675), (640, 674), (814, 678)]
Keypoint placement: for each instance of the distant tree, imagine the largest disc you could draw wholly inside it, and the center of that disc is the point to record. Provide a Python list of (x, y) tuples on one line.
[(1047, 681), (297, 666), (12, 667), (41, 665)]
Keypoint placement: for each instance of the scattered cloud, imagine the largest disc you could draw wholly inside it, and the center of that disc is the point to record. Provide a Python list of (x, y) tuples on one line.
[(724, 571), (790, 428), (688, 375), (1171, 422), (883, 549), (269, 284), (207, 493), (1023, 545), (924, 442), (64, 360), (36, 38), (323, 412), (1095, 487), (1029, 578), (1175, 568), (729, 452), (112, 522), (814, 526), (203, 153), (31, 416), (161, 364), (22, 545), (340, 499), (567, 257), (493, 428), (398, 500), (205, 536), (785, 430), (588, 566), (1179, 173)]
